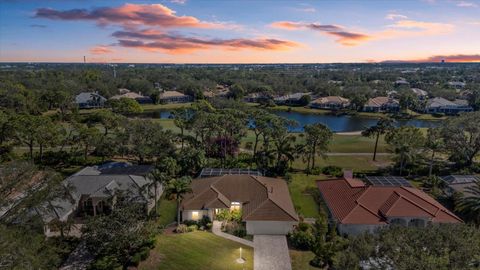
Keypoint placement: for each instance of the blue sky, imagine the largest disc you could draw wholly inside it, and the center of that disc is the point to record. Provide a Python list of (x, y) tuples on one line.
[(192, 31)]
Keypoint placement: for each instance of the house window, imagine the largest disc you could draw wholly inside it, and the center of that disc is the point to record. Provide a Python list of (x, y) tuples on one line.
[(194, 215), (235, 206)]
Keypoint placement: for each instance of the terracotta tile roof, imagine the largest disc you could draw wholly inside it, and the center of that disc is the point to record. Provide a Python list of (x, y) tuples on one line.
[(331, 100), (362, 204), (381, 101), (263, 198)]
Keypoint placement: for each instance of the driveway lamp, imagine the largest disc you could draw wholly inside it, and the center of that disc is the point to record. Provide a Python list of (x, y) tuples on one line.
[(240, 259)]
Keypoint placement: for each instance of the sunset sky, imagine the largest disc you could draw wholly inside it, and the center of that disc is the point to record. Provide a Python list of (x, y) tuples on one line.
[(208, 31)]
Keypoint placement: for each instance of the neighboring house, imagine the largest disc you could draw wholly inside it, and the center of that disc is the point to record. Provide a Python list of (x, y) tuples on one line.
[(356, 207), (265, 202), (256, 98), (457, 85), (382, 104), (290, 99), (210, 172), (441, 105), (421, 94), (401, 81), (90, 100), (458, 183), (174, 97), (392, 94), (90, 192), (132, 95), (330, 103)]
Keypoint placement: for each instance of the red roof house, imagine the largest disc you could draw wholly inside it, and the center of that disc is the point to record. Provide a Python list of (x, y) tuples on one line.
[(357, 207)]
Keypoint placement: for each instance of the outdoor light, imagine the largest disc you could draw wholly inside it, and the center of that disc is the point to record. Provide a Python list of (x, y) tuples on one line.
[(240, 259)]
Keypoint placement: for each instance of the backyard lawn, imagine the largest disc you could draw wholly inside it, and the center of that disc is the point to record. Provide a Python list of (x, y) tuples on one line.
[(353, 162), (301, 260), (197, 250), (167, 210), (301, 188)]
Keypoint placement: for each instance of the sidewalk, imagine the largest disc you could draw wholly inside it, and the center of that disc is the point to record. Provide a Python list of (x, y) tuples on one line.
[(216, 229)]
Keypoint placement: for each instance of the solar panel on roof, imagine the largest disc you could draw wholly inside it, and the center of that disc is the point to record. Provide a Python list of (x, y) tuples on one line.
[(388, 181), (208, 172)]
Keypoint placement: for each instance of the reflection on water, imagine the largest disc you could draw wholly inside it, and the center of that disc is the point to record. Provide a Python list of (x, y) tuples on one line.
[(342, 123)]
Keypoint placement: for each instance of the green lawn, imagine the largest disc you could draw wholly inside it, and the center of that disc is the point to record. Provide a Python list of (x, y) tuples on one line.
[(172, 106), (301, 260), (301, 187), (355, 163), (197, 250), (167, 210)]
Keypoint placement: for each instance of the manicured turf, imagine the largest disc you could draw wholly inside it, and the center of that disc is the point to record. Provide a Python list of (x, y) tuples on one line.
[(167, 210), (157, 107), (302, 199), (197, 250), (356, 163), (301, 260)]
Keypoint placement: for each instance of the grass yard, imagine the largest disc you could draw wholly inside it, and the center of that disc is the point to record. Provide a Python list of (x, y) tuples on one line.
[(197, 250), (167, 210), (172, 106), (356, 144), (355, 163), (301, 260), (301, 187)]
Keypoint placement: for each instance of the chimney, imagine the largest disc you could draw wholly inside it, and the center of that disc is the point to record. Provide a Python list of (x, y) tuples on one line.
[(348, 174)]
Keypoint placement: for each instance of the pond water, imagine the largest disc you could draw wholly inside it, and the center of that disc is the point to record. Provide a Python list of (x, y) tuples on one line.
[(341, 123)]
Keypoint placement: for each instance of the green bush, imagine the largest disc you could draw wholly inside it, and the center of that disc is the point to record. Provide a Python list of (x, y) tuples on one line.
[(332, 171), (106, 263), (240, 232), (190, 222), (192, 228), (209, 226), (204, 221), (302, 237), (316, 171), (182, 228)]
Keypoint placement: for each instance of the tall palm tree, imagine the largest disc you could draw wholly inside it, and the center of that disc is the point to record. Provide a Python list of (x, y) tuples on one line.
[(177, 189), (382, 127), (434, 143), (470, 205)]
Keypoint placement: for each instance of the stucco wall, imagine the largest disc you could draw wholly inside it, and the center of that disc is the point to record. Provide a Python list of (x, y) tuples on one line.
[(187, 214), (269, 227), (355, 229)]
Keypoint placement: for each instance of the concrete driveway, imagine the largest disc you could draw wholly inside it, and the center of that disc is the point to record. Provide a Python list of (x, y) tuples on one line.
[(271, 253)]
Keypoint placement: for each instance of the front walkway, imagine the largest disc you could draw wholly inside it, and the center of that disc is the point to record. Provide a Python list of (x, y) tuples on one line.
[(271, 253), (217, 230)]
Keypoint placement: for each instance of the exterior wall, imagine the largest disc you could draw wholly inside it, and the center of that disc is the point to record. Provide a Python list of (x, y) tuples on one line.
[(356, 229), (187, 214), (151, 201), (270, 227)]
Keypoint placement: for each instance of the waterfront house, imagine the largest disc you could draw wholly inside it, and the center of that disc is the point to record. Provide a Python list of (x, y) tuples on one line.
[(174, 97), (421, 94), (290, 99), (90, 100), (441, 105), (125, 93), (330, 103), (459, 183), (382, 104)]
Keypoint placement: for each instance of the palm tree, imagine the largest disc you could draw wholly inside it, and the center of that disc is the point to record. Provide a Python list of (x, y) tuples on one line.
[(470, 205), (434, 143), (382, 127), (165, 171), (177, 189)]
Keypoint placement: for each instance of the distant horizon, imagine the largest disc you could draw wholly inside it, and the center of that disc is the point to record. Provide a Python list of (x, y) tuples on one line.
[(191, 31)]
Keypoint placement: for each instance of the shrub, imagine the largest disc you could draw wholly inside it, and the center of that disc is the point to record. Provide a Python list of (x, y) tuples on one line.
[(204, 221), (240, 232), (333, 171), (182, 228), (316, 171), (302, 240), (189, 223), (192, 228), (208, 226), (140, 256)]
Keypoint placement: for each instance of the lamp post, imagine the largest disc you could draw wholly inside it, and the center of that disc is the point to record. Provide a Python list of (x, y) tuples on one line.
[(240, 259)]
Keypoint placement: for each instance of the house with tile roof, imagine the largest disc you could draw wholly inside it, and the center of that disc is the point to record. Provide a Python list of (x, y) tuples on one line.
[(357, 207), (174, 97), (459, 184), (290, 99), (330, 103), (90, 100), (441, 105), (382, 104), (90, 192), (125, 93), (421, 94), (264, 202)]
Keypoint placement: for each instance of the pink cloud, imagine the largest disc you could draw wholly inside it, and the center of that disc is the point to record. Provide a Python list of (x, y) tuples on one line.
[(128, 15), (101, 50)]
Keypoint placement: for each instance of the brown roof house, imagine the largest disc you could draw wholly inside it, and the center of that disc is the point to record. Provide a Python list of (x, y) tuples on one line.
[(356, 207), (265, 202), (174, 97), (330, 103), (382, 104)]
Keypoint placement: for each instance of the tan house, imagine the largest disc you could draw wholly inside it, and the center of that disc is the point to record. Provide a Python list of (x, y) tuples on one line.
[(330, 103), (265, 202), (174, 97), (382, 104)]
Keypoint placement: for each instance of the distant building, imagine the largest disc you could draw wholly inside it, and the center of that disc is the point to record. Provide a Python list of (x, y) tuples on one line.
[(459, 183), (330, 103), (125, 93), (441, 105), (174, 97), (401, 81), (290, 99), (421, 94), (457, 85), (382, 104), (256, 98), (357, 208), (90, 100)]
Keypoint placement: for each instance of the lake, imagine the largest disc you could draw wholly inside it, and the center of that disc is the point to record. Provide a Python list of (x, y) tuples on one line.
[(341, 123)]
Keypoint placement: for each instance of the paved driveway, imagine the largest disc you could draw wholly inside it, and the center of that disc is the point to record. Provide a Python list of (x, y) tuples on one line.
[(271, 253)]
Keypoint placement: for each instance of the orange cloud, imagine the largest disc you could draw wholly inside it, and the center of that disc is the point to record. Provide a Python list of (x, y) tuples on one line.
[(101, 50), (152, 40), (128, 15), (461, 58), (344, 37)]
